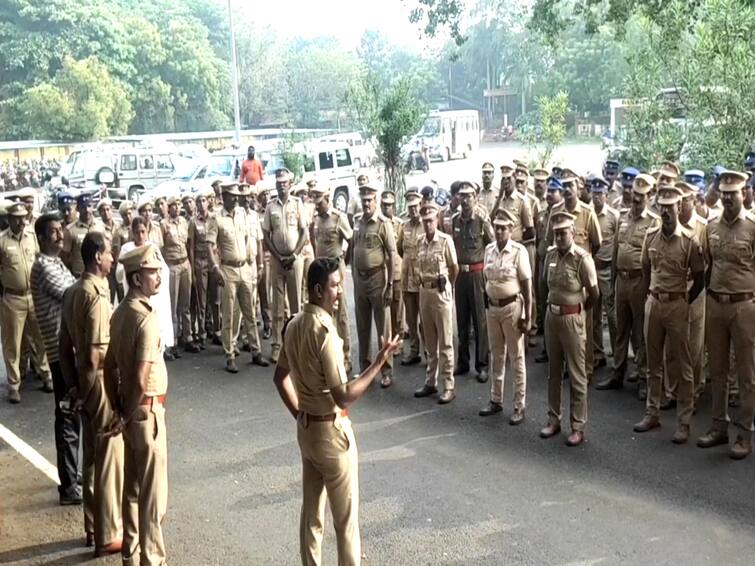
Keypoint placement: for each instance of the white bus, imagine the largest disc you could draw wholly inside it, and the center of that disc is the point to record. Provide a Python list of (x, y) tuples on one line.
[(449, 134)]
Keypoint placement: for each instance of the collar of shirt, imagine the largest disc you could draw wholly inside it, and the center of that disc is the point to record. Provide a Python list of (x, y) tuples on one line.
[(81, 224), (675, 234), (741, 216), (100, 283), (316, 310), (506, 249), (139, 302), (570, 251), (50, 259), (435, 237)]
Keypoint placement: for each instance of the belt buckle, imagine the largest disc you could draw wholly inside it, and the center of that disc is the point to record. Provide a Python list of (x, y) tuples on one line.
[(465, 268), (726, 299), (663, 297)]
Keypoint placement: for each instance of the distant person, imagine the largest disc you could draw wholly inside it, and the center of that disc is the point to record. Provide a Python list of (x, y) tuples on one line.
[(251, 168)]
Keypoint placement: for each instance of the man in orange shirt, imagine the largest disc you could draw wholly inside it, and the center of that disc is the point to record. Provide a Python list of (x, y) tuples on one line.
[(251, 169)]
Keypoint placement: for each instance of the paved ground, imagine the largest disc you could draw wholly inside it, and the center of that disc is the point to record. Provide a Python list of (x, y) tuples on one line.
[(439, 485)]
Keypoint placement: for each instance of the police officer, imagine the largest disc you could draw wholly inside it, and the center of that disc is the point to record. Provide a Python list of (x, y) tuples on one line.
[(228, 234), (67, 208), (374, 250), (488, 195), (160, 205), (200, 250), (247, 200), (508, 289), (471, 232), (436, 273), (629, 292), (28, 196), (331, 233), (623, 202), (670, 255), (74, 234), (283, 227), (608, 220), (388, 208), (121, 236), (611, 175), (412, 231), (307, 252), (84, 340), (175, 234), (730, 314), (108, 226), (18, 322), (154, 233), (572, 286), (311, 380), (137, 385), (512, 200)]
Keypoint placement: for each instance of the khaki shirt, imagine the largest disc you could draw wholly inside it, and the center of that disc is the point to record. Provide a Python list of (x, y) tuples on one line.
[(408, 249), (330, 231), (374, 242), (109, 232), (487, 199), (730, 250), (541, 227), (630, 237), (568, 275), (608, 220), (17, 254), (86, 315), (586, 226), (435, 258), (283, 222), (155, 234), (671, 259), (121, 235), (198, 237), (505, 269), (696, 224), (313, 353), (471, 236), (136, 338), (73, 236), (520, 208), (175, 237), (254, 234), (228, 232), (398, 234)]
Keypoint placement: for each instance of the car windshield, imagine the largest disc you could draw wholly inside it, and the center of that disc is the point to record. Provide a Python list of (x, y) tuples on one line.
[(185, 173), (221, 166), (431, 127)]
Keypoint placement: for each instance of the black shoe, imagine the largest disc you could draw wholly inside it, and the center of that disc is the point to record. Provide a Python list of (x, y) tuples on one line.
[(176, 352), (634, 377), (642, 390), (258, 360), (541, 358), (601, 363), (482, 376), (490, 409), (73, 498), (411, 361), (192, 348), (246, 348), (200, 343), (461, 370), (425, 391), (216, 341), (47, 386), (168, 356), (668, 404), (615, 381), (230, 365)]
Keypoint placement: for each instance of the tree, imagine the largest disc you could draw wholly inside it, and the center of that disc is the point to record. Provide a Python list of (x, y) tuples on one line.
[(390, 117), (550, 131)]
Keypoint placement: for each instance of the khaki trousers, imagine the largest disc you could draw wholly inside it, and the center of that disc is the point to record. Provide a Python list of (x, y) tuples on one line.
[(213, 322), (308, 256), (604, 303), (411, 304), (342, 319), (397, 311), (239, 282), (240, 322), (532, 253), (145, 492), (696, 349), (180, 300), (286, 285), (369, 301), (201, 281), (264, 289), (727, 324), (17, 320), (330, 471), (436, 312), (630, 315), (507, 341), (566, 337), (101, 468), (667, 327)]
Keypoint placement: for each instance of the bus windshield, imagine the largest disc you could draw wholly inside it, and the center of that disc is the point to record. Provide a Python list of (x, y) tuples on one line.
[(431, 127)]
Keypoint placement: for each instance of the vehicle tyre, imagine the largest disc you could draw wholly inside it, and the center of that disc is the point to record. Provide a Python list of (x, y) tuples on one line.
[(104, 176), (341, 200), (133, 193)]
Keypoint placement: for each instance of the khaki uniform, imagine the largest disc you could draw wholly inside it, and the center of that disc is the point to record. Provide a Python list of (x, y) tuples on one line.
[(434, 261), (566, 277), (541, 226), (630, 297), (18, 322), (200, 252), (374, 246), (283, 223), (670, 261), (254, 237), (730, 318), (331, 230), (608, 219), (73, 236), (229, 233), (470, 237), (307, 252), (111, 233), (505, 270), (86, 319), (313, 353), (517, 205), (175, 233), (407, 249), (136, 338), (265, 282), (487, 199), (397, 302)]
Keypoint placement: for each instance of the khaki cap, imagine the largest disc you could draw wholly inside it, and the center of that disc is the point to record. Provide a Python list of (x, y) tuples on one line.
[(670, 195), (187, 197), (504, 217), (413, 198), (283, 174), (17, 209), (103, 202), (688, 189), (172, 199), (669, 169), (568, 175), (208, 193), (232, 188), (488, 167), (144, 203), (540, 174), (731, 181), (467, 188), (143, 257), (429, 211), (562, 219), (643, 183), (388, 197), (507, 171), (518, 163), (27, 192), (301, 188), (367, 189), (5, 204)]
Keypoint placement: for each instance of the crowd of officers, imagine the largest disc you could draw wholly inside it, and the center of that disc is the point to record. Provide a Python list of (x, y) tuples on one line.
[(666, 260)]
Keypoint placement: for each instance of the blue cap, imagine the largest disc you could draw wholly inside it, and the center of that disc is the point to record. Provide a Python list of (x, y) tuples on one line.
[(598, 184), (612, 165), (64, 198), (695, 177), (629, 173), (556, 171), (84, 199), (427, 192), (555, 184), (717, 170)]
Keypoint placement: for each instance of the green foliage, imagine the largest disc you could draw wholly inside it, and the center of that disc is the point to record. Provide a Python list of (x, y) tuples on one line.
[(292, 160), (549, 133)]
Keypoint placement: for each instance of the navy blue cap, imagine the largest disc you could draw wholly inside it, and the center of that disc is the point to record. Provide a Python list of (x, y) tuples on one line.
[(64, 198), (695, 177), (555, 184), (556, 171), (629, 173), (427, 192), (717, 170), (84, 199), (612, 165), (598, 184)]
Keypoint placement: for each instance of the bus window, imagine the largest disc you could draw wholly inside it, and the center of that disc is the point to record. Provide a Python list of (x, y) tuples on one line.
[(164, 163)]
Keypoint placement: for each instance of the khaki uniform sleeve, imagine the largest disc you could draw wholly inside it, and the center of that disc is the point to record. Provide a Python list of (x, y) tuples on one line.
[(303, 216), (645, 255), (523, 267), (266, 227), (212, 231), (593, 230), (526, 216), (587, 272), (147, 343), (389, 240), (450, 254), (97, 321), (344, 227), (331, 359), (488, 234), (282, 356)]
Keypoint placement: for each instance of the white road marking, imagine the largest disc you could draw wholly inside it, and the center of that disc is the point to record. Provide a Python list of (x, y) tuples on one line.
[(36, 459)]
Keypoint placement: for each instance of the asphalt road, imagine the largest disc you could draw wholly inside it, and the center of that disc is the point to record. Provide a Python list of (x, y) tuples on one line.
[(439, 485)]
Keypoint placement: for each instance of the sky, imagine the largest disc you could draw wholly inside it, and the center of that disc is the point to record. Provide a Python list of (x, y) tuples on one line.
[(345, 19)]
